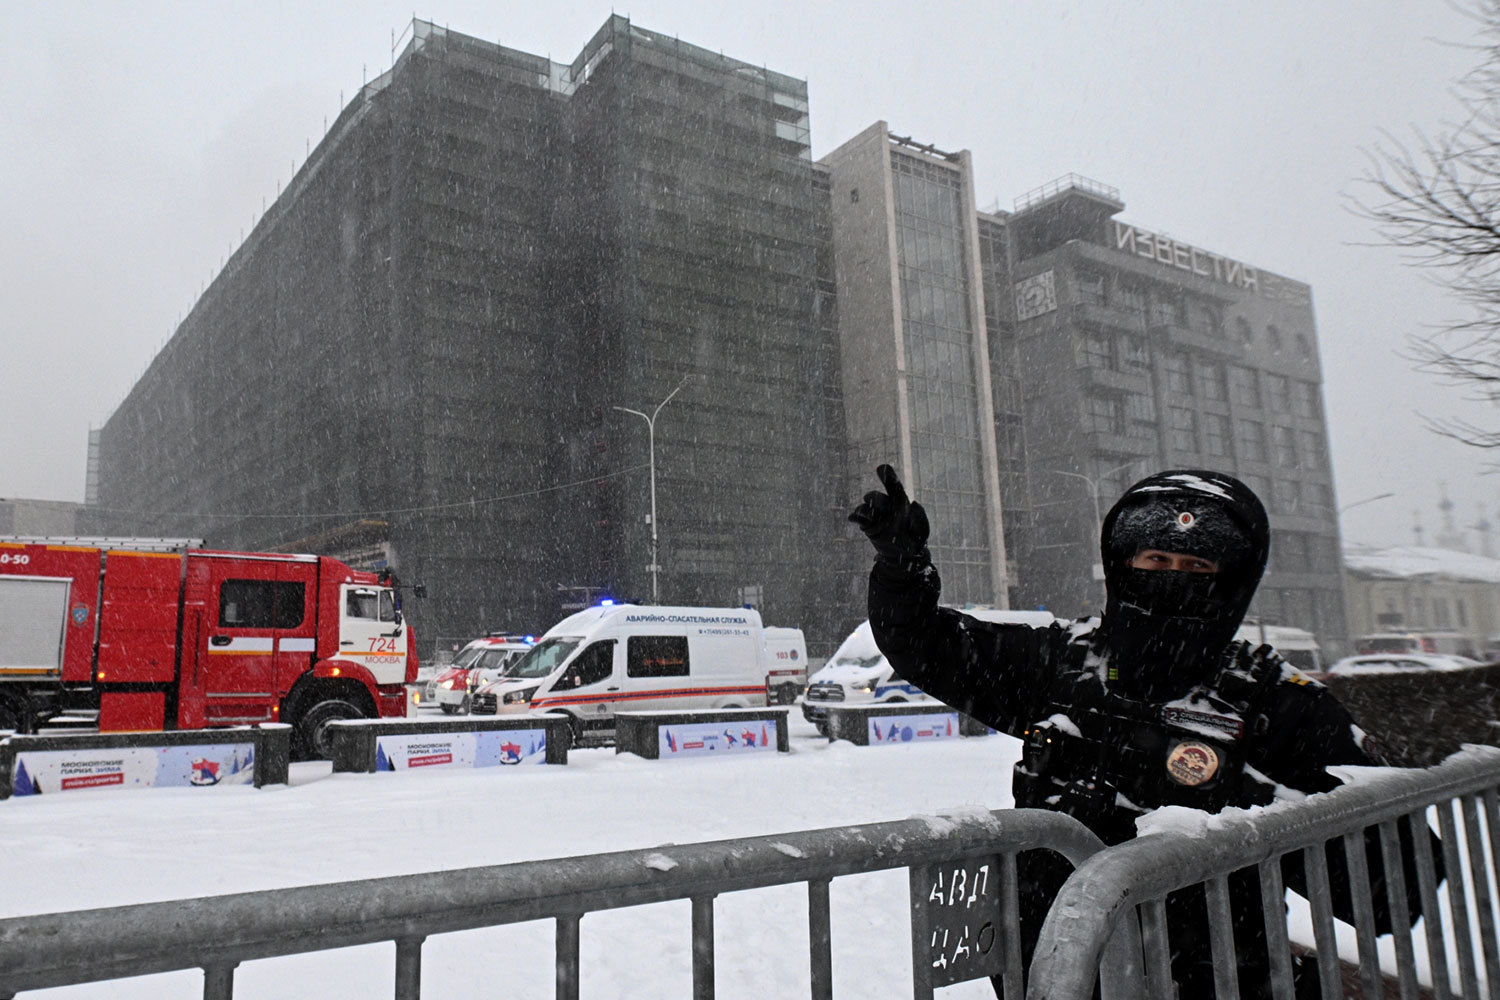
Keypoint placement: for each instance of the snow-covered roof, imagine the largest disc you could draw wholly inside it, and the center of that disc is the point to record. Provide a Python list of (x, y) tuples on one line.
[(1407, 562)]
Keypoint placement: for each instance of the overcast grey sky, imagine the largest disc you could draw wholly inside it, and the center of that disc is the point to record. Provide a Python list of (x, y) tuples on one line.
[(138, 142)]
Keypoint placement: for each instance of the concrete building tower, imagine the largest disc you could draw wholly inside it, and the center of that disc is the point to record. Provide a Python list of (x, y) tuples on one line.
[(916, 362)]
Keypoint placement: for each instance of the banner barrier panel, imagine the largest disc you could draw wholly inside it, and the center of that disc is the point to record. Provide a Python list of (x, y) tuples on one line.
[(183, 758), (724, 732)]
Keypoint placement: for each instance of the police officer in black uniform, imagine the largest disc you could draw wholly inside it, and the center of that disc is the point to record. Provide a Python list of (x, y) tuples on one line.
[(1155, 706)]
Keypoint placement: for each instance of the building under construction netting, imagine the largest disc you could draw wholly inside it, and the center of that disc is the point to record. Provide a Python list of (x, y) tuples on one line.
[(418, 356)]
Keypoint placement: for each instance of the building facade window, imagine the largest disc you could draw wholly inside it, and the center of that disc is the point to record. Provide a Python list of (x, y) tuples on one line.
[(1284, 496), (1140, 412), (1130, 298), (1179, 374), (1278, 393), (1251, 439), (1305, 399), (1090, 288), (1211, 380), (1284, 447), (1315, 497), (1165, 310), (1292, 552), (1215, 434), (1273, 338), (1102, 414), (1135, 357), (1243, 331), (1203, 319), (1244, 386), (1183, 427), (1309, 448), (1096, 350)]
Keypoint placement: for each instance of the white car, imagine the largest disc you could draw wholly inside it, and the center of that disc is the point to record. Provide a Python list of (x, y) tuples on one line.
[(1371, 664)]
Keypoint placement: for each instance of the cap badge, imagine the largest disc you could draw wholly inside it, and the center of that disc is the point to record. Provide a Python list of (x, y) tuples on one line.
[(1186, 519), (1192, 763)]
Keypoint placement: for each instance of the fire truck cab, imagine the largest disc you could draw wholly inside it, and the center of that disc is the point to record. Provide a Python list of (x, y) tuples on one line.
[(162, 634)]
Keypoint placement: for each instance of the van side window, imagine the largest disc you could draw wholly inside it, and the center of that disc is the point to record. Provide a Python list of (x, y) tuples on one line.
[(656, 656), (596, 663)]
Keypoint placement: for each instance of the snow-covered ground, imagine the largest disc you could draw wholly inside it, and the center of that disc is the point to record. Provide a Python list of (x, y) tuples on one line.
[(104, 848)]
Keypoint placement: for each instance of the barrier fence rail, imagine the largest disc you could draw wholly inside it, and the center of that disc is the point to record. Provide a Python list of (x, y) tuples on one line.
[(216, 933), (1112, 888), (1091, 933)]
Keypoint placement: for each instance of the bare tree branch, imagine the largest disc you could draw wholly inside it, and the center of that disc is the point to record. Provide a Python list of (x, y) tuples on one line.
[(1437, 200)]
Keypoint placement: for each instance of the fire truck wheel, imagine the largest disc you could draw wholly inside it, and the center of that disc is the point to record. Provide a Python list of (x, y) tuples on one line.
[(313, 732), (449, 709)]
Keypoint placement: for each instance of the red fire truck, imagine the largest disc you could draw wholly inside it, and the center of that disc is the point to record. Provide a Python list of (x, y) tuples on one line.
[(164, 634)]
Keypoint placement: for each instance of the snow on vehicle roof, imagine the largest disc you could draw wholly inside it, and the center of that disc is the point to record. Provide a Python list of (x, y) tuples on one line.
[(1405, 562)]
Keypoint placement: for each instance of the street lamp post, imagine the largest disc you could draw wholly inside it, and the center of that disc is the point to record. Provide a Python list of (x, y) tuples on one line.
[(1094, 493), (651, 451)]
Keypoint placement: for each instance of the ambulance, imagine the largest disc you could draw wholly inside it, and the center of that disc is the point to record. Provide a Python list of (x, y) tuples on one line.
[(625, 656)]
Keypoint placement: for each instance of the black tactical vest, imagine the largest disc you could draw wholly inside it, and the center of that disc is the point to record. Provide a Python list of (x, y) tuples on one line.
[(1106, 759)]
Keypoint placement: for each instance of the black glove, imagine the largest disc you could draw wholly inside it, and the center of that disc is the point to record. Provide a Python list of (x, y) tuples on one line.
[(895, 525)]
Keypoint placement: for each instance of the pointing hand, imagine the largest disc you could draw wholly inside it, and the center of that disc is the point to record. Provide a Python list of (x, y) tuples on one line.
[(895, 525)]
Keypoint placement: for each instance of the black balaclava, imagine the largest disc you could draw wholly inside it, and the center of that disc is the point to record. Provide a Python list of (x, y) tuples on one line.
[(1163, 630)]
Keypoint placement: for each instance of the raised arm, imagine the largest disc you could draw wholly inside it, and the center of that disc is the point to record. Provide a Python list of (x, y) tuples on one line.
[(991, 671)]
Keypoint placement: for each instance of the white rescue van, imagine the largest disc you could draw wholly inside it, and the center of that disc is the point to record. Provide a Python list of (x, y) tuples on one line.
[(641, 658), (786, 665), (1297, 646), (859, 674)]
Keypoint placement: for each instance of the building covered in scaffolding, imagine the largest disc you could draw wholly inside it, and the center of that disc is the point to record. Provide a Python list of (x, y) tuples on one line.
[(426, 353)]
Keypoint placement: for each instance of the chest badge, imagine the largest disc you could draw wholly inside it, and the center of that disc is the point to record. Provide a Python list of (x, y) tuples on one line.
[(1192, 763)]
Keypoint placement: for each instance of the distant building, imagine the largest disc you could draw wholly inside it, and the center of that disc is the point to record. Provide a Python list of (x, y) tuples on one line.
[(45, 518), (425, 354), (417, 356), (915, 350), (1423, 589), (1138, 352), (1025, 367)]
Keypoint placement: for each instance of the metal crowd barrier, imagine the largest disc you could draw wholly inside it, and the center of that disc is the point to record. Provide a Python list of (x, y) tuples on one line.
[(1090, 933), (216, 933), (1133, 879)]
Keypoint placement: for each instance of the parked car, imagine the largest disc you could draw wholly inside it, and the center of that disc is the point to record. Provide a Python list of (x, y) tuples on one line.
[(1396, 663), (1439, 643)]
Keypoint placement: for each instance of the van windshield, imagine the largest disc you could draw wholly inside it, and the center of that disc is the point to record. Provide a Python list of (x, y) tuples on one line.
[(857, 661), (494, 659), (545, 657), (466, 656)]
